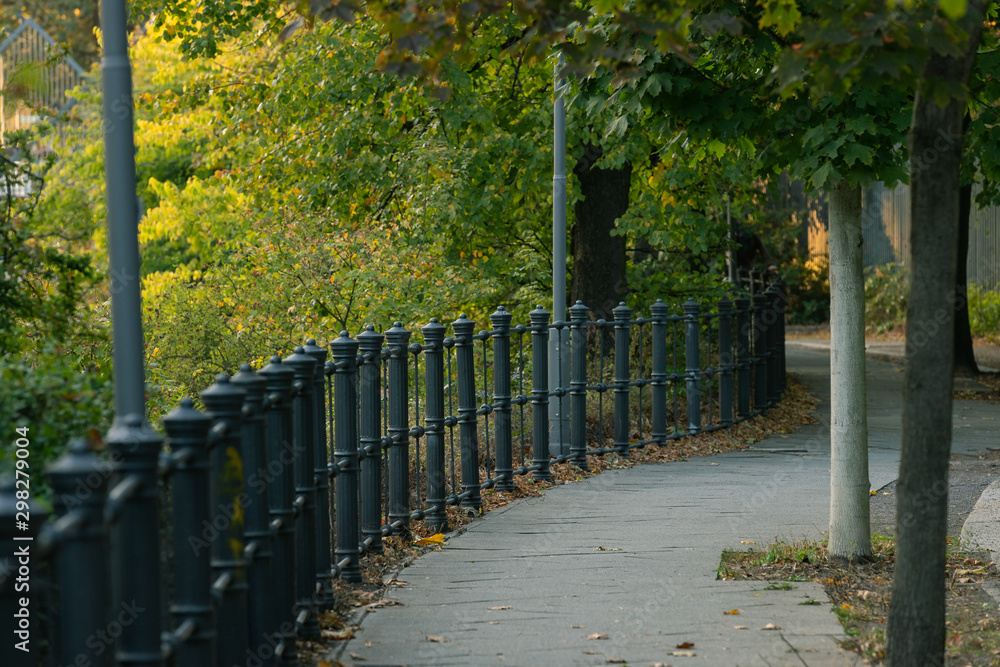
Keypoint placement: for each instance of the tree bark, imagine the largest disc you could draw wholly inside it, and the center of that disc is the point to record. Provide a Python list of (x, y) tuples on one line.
[(916, 628), (965, 357), (850, 519), (598, 256)]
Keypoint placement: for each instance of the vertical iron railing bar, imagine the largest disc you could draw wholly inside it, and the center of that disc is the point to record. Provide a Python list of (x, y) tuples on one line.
[(281, 498), (520, 393), (303, 430), (561, 389), (485, 407), (539, 319), (578, 313), (397, 340), (658, 375), (261, 617), (418, 436), (641, 375), (742, 306), (384, 405), (467, 421), (370, 391), (328, 370), (675, 376), (725, 310), (622, 333), (600, 382), (450, 420), (321, 480), (434, 419), (223, 402), (503, 463), (344, 354), (710, 367)]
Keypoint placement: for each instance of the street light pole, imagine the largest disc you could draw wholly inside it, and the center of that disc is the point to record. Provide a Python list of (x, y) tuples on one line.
[(122, 212), (134, 445), (559, 352)]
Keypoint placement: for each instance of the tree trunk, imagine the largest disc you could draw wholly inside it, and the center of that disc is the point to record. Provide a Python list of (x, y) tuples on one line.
[(965, 358), (598, 256), (850, 532), (916, 630)]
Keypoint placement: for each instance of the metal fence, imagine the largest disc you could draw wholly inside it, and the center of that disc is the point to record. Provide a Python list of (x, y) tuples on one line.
[(296, 471)]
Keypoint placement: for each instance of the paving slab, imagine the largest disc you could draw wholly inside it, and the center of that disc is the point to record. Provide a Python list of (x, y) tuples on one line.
[(633, 555)]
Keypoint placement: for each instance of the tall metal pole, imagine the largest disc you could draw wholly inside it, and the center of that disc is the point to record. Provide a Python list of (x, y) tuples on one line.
[(123, 225), (559, 349), (135, 537)]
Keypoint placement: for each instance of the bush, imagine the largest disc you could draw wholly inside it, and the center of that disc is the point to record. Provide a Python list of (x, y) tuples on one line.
[(808, 285), (49, 395), (887, 290), (984, 313)]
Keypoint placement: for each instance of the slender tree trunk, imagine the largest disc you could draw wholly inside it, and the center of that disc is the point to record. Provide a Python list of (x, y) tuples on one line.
[(850, 527), (598, 256), (916, 630), (965, 357)]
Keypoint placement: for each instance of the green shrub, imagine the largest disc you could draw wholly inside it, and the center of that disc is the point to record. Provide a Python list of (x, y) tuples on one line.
[(808, 285), (887, 289), (984, 313), (49, 395)]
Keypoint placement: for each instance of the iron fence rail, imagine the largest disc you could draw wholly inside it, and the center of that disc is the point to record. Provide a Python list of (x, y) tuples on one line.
[(296, 471)]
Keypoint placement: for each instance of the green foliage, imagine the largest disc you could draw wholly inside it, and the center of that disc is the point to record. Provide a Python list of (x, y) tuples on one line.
[(54, 356), (808, 286), (984, 313), (887, 290), (47, 392)]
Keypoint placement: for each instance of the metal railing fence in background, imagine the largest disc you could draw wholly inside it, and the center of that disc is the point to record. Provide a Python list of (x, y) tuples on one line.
[(296, 471)]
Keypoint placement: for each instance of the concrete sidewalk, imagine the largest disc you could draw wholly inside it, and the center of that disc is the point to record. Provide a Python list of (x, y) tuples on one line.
[(633, 554)]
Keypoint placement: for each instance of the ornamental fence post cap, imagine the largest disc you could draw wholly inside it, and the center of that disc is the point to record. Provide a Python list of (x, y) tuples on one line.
[(622, 312), (183, 415), (223, 396), (344, 346)]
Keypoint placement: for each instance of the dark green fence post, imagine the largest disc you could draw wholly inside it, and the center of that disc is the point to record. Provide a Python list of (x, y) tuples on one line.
[(433, 333), (398, 340), (467, 423), (135, 539), (743, 357), (759, 337), (258, 535), (281, 456), (321, 477), (771, 319), (623, 315), (782, 305), (190, 482), (725, 307), (224, 404), (370, 432), (658, 425), (693, 365), (303, 427), (345, 408), (578, 314), (81, 558), (540, 394), (501, 399)]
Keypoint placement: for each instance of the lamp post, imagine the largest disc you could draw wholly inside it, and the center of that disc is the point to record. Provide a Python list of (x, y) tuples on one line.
[(559, 349), (135, 538)]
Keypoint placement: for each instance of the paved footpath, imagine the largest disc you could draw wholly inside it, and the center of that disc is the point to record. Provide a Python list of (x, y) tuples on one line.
[(633, 554)]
